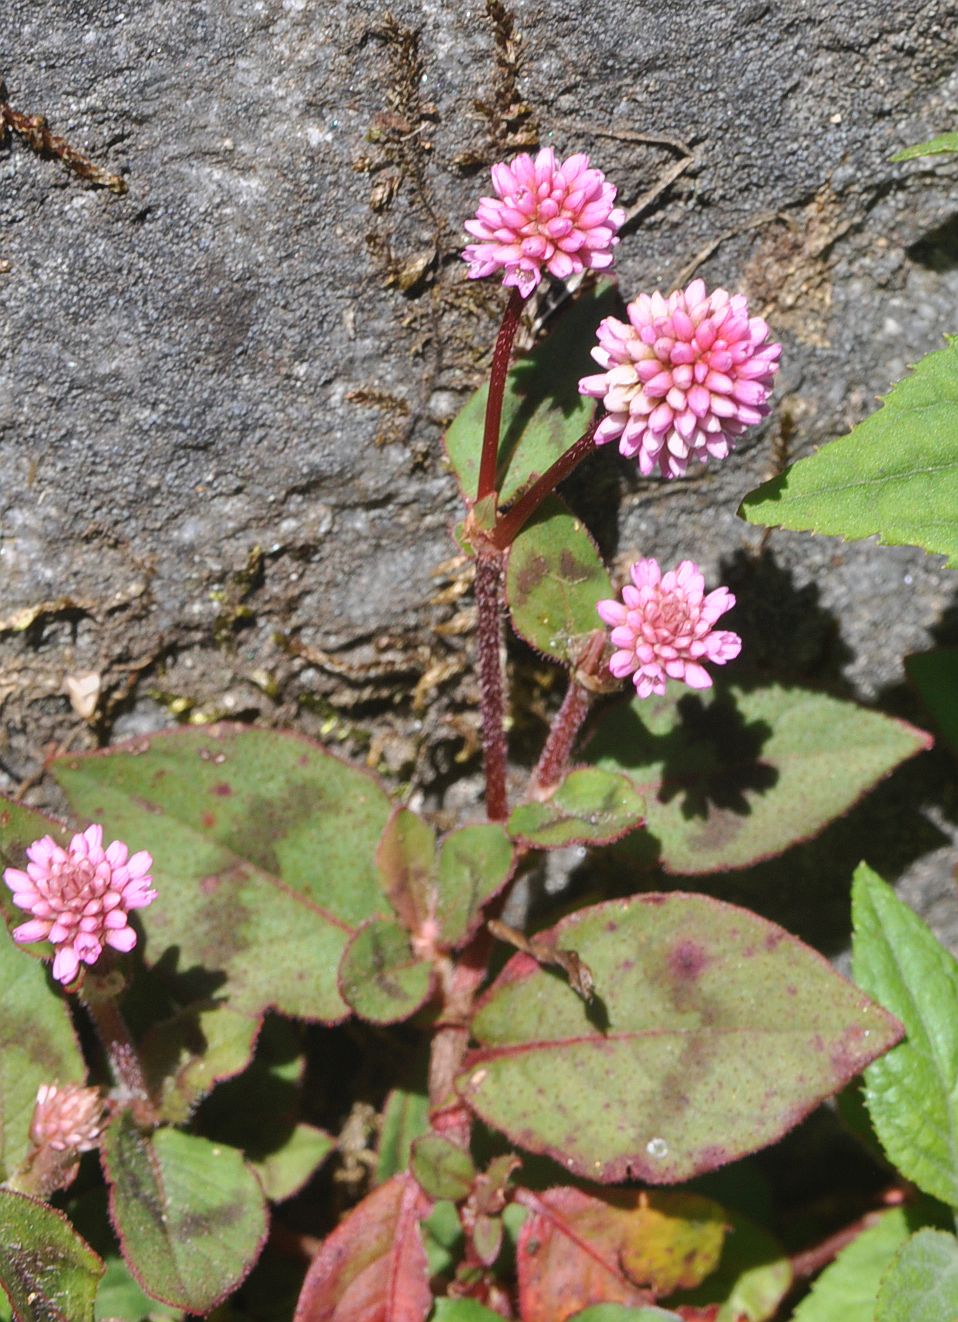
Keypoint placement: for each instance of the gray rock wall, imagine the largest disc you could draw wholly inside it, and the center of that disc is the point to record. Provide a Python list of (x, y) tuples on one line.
[(221, 395)]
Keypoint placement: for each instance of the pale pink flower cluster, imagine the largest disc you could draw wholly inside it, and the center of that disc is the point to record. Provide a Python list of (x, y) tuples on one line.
[(67, 1118), (80, 897), (682, 378), (663, 628), (560, 217)]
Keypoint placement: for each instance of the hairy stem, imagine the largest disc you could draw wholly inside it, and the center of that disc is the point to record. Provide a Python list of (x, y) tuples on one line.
[(510, 525), (489, 630), (497, 385), (566, 725), (118, 1044)]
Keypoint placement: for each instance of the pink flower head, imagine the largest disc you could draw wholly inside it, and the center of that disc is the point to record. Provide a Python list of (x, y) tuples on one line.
[(560, 217), (67, 1118), (663, 628), (80, 897), (683, 378)]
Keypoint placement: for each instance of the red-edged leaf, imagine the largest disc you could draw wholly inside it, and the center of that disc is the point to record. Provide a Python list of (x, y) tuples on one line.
[(373, 1267), (711, 1033), (569, 1255)]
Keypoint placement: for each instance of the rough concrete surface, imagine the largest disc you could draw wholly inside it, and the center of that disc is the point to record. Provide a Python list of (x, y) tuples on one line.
[(222, 394)]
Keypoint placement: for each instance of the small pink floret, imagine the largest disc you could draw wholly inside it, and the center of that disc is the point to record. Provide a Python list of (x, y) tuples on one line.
[(545, 215), (683, 378), (80, 897), (67, 1118), (662, 628)]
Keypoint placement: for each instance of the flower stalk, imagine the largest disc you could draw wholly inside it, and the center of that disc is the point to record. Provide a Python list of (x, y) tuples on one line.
[(497, 388), (489, 629), (98, 995), (512, 522)]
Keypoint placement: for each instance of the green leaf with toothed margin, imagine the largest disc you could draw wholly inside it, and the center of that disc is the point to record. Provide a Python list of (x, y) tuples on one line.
[(543, 414), (189, 1214), (922, 1281), (590, 806), (712, 1033), (733, 775), (263, 851), (47, 1271), (912, 1093), (554, 579), (895, 475), (37, 1041), (847, 1289), (944, 142), (380, 977)]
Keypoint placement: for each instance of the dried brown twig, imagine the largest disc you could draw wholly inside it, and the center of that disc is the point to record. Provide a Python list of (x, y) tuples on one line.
[(35, 132)]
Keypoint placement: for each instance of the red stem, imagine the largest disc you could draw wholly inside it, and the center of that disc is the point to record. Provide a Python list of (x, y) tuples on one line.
[(450, 1116), (565, 726), (489, 630), (497, 385), (510, 525), (121, 1052)]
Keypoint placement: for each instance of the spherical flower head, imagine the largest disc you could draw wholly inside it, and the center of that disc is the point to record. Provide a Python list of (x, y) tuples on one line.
[(683, 378), (67, 1118), (80, 897), (560, 217), (663, 628)]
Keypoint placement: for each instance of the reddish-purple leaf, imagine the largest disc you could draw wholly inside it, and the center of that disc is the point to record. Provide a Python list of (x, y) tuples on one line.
[(711, 1033), (373, 1267), (569, 1254)]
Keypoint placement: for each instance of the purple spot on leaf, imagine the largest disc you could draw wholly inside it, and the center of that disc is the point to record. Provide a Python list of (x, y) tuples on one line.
[(687, 960)]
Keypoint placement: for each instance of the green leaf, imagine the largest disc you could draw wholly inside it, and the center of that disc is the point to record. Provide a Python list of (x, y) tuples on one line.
[(406, 858), (944, 142), (935, 676), (543, 413), (405, 1117), (37, 1041), (591, 806), (752, 1278), (380, 977), (922, 1281), (373, 1265), (462, 1310), (554, 578), (912, 1093), (120, 1299), (735, 775), (186, 1056), (713, 1032), (443, 1169), (847, 1289), (190, 1214), (264, 856), (894, 475), (46, 1270), (475, 863), (442, 1238), (620, 1313), (259, 1113)]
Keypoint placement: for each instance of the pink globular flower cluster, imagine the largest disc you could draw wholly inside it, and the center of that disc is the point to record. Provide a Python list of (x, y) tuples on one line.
[(663, 628), (558, 217), (80, 897), (67, 1118), (683, 378)]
